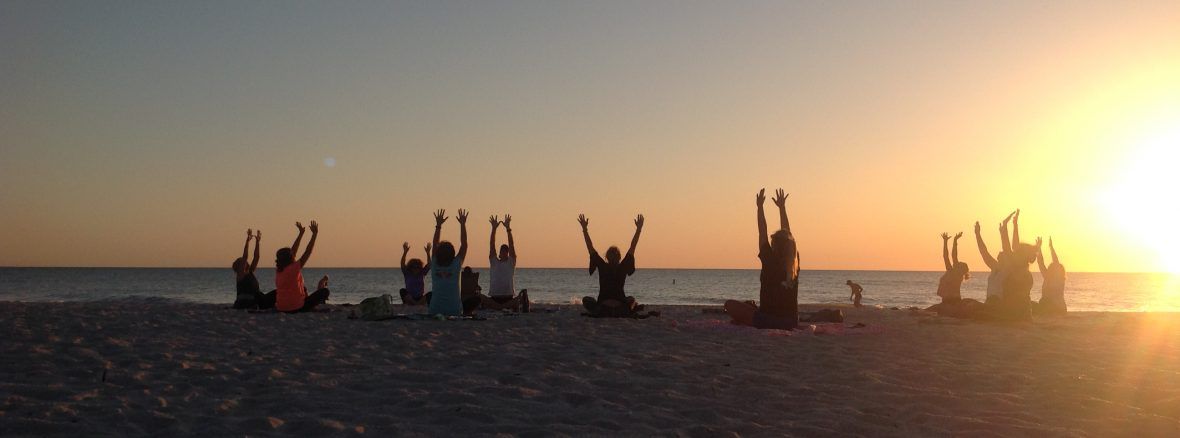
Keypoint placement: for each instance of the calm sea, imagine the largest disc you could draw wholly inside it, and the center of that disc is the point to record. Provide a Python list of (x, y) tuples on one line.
[(1085, 291)]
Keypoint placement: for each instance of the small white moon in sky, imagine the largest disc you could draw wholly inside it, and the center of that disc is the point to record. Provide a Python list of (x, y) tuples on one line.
[(330, 162)]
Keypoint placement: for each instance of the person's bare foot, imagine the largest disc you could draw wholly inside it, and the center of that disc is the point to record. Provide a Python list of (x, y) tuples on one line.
[(323, 283)]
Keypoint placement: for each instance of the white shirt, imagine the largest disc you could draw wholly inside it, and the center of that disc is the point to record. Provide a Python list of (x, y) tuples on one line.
[(502, 282)]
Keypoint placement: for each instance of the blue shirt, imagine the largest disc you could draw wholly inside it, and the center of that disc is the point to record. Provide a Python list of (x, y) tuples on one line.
[(444, 296)]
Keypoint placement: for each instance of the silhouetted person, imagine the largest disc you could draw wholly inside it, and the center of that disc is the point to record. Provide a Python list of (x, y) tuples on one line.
[(291, 294), (951, 283), (469, 290), (612, 275), (414, 272), (856, 293), (1016, 301), (998, 265), (446, 266), (249, 296), (502, 267), (1052, 284), (779, 291)]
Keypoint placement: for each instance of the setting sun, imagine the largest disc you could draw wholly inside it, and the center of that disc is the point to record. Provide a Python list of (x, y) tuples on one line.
[(1138, 201)]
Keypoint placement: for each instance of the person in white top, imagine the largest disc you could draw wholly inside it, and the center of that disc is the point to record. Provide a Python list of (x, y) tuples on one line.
[(502, 266)]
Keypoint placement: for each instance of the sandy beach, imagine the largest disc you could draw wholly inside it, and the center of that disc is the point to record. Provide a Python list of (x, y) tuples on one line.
[(166, 368)]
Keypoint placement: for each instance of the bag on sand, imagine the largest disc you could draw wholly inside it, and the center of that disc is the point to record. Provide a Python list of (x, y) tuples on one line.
[(377, 308)]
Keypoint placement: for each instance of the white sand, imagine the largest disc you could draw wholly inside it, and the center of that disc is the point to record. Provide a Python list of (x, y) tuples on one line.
[(182, 369)]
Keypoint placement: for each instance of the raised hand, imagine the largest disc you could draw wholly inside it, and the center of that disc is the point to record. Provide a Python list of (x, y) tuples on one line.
[(761, 197), (583, 221), (639, 221), (258, 235), (780, 198), (1009, 218), (299, 225), (946, 237), (405, 246), (314, 227), (976, 227), (427, 247), (1017, 217), (1038, 242), (249, 234), (495, 221), (958, 235), (507, 221), (462, 216), (440, 216)]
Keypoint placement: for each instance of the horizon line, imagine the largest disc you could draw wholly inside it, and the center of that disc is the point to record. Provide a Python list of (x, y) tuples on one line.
[(535, 267)]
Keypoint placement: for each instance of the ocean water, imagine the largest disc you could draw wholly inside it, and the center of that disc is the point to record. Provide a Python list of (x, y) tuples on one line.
[(1084, 291)]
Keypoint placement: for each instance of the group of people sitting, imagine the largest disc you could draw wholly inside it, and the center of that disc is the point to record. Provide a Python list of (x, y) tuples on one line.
[(456, 291), (1010, 282)]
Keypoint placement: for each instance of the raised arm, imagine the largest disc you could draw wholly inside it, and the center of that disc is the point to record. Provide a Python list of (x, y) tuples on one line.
[(1053, 251), (257, 248), (763, 240), (1005, 244), (1041, 256), (987, 257), (426, 265), (298, 238), (462, 217), (492, 240), (955, 249), (1016, 229), (246, 247), (780, 199), (946, 258), (635, 239), (440, 216), (315, 231), (405, 252), (585, 223), (511, 243)]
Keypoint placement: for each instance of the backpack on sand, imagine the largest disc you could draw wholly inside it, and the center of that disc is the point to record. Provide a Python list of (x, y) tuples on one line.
[(377, 308)]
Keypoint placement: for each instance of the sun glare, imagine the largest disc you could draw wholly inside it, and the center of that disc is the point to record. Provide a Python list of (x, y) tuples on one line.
[(1142, 200)]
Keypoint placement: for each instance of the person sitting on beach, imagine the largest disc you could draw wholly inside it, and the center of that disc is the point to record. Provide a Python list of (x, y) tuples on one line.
[(445, 265), (999, 264), (779, 291), (1016, 303), (856, 293), (470, 291), (291, 294), (1052, 284), (951, 283), (612, 300), (414, 272), (249, 295), (502, 267)]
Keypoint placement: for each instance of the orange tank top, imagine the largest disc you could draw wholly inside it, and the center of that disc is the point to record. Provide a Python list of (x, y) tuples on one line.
[(290, 291)]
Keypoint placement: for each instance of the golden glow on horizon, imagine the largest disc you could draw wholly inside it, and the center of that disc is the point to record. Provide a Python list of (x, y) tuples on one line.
[(1139, 201)]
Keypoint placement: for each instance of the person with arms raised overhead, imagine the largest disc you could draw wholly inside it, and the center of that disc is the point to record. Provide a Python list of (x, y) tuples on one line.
[(414, 272), (951, 283), (502, 266), (446, 265), (779, 292), (1016, 303), (1052, 284), (1000, 264), (612, 299), (249, 295), (291, 294)]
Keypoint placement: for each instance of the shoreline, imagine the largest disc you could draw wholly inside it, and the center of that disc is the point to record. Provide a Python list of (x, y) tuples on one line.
[(160, 367)]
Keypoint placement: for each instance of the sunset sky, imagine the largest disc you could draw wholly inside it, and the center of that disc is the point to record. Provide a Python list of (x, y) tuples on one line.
[(155, 133)]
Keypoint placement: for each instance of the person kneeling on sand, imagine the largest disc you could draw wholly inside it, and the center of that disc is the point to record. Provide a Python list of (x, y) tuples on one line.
[(291, 295), (502, 268), (414, 272), (779, 292), (249, 296), (951, 283), (612, 300), (446, 265)]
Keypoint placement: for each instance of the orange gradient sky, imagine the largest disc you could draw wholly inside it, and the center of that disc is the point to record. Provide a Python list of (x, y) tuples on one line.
[(154, 134)]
